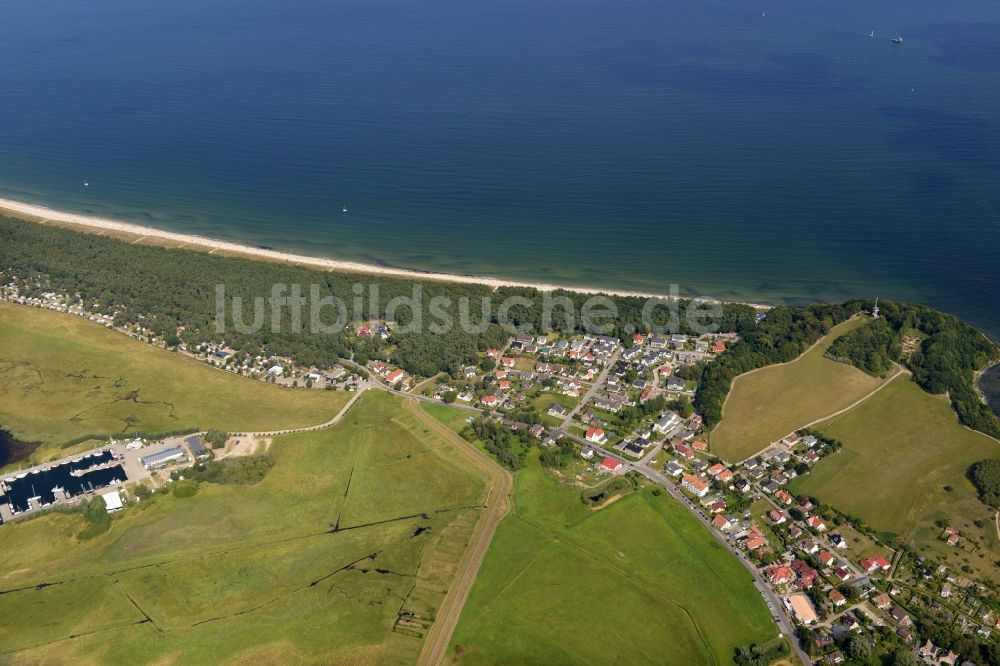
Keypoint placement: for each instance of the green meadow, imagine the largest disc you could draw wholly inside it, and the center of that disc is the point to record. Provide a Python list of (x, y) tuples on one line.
[(902, 468), (342, 554), (765, 405), (62, 377), (637, 581)]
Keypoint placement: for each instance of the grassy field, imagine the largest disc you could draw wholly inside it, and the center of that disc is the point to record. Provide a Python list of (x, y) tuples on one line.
[(628, 583), (767, 404), (62, 377), (342, 554), (903, 467)]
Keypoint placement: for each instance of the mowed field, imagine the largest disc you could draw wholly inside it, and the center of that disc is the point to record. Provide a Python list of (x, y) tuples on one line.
[(62, 377), (342, 554), (767, 404), (903, 467), (638, 581)]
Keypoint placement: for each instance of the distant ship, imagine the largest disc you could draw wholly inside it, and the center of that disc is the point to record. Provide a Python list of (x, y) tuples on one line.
[(897, 39)]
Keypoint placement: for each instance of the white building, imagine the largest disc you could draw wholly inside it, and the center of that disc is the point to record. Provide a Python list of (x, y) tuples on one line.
[(113, 501)]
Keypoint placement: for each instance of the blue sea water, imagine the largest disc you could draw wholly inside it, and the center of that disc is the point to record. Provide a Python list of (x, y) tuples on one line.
[(769, 151)]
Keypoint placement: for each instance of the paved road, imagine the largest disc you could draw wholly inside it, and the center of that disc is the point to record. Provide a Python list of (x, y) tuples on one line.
[(772, 600), (592, 391), (437, 642)]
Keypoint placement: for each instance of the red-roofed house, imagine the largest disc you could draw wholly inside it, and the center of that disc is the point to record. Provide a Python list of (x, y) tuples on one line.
[(883, 563), (719, 347), (779, 574), (783, 497), (695, 485), (611, 465), (826, 557), (684, 451), (363, 331), (806, 574), (395, 376), (755, 541), (725, 476), (507, 362), (816, 523), (699, 445), (638, 339), (837, 598), (504, 385), (873, 564), (596, 435), (715, 469), (722, 523), (490, 400), (777, 517)]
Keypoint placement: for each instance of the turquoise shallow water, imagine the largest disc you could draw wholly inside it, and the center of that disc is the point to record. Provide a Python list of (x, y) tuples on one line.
[(777, 157)]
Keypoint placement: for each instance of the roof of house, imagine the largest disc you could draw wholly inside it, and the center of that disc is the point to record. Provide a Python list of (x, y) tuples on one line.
[(611, 463)]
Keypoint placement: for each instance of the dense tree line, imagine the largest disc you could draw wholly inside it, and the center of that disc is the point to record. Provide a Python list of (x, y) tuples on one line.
[(173, 293), (782, 336)]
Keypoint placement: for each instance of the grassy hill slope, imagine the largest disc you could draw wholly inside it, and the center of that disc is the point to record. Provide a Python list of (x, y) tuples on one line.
[(902, 467), (767, 404), (62, 377), (252, 574)]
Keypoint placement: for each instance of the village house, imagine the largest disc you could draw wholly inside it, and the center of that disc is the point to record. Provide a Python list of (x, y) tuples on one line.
[(611, 465), (557, 410), (836, 598), (873, 564), (722, 523), (816, 523), (779, 574), (696, 485), (673, 469), (684, 451), (806, 575), (596, 435)]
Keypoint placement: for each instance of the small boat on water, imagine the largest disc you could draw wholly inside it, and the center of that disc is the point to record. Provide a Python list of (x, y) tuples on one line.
[(873, 34), (897, 39)]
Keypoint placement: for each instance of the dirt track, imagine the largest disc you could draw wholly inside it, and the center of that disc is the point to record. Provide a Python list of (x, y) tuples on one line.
[(497, 506)]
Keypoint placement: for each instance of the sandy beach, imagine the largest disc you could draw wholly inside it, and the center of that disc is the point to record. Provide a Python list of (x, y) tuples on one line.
[(137, 233)]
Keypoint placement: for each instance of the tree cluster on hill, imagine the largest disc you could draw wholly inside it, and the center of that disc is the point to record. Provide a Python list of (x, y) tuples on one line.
[(985, 475), (872, 348), (949, 355), (782, 336)]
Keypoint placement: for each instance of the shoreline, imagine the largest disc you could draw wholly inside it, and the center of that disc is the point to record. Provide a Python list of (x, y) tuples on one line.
[(127, 230)]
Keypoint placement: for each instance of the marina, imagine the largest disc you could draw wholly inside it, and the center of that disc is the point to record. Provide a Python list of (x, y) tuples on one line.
[(48, 484)]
